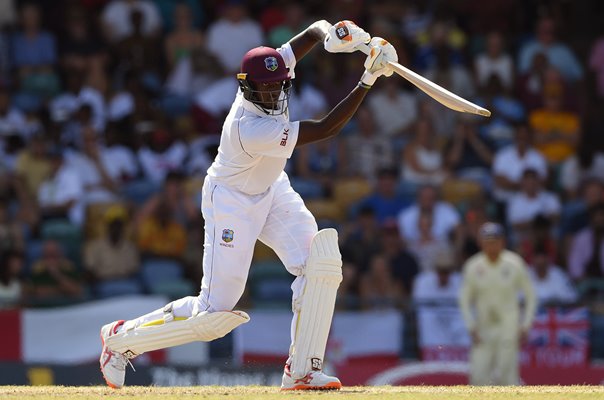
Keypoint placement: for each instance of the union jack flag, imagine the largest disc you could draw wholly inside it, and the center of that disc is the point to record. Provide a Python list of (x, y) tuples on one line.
[(560, 327)]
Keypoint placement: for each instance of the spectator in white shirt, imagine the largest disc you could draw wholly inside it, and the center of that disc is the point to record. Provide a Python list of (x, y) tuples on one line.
[(440, 285), (551, 283), (116, 20), (588, 163), (494, 60), (426, 247), (60, 195), (510, 162), (90, 165), (394, 109), (446, 219), (231, 36), (161, 156), (531, 201)]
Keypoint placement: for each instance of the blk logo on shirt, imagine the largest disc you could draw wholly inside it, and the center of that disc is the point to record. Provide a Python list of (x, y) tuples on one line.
[(284, 138)]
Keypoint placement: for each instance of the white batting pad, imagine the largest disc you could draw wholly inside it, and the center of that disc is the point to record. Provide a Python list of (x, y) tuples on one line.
[(323, 274), (204, 326)]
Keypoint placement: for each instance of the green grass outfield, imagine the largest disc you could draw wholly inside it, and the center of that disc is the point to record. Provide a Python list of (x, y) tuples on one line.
[(263, 392)]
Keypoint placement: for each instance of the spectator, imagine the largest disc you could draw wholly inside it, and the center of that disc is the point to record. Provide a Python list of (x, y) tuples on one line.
[(558, 54), (385, 202), (181, 205), (556, 129), (551, 283), (53, 277), (393, 109), (494, 61), (12, 290), (587, 163), (596, 64), (532, 200), (60, 195), (162, 155), (378, 289), (185, 38), (80, 49), (235, 30), (368, 151), (117, 159), (139, 52), (529, 84), (91, 166), (454, 76), (161, 235), (404, 267), (506, 109), (469, 155), (117, 22), (113, 260), (540, 237), (445, 218), (363, 241), (306, 101), (423, 162), (34, 54), (295, 19), (511, 161), (12, 120), (322, 162), (491, 309), (441, 284), (11, 234), (474, 217), (426, 246), (575, 214), (78, 98), (33, 166), (586, 258)]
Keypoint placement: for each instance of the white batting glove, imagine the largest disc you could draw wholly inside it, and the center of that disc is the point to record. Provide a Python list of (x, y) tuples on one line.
[(344, 37), (376, 63)]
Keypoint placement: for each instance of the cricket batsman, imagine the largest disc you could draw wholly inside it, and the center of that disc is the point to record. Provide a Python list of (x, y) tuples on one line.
[(246, 197), (490, 306)]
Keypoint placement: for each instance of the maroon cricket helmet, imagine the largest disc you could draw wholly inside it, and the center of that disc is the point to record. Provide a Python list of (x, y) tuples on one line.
[(264, 64)]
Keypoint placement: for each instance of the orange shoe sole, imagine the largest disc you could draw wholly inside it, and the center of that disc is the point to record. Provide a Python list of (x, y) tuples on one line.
[(329, 386)]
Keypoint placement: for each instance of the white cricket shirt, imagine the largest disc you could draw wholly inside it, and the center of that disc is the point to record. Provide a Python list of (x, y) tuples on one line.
[(254, 146)]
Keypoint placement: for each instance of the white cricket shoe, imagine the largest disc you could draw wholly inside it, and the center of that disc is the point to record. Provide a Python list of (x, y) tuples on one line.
[(113, 364), (314, 380)]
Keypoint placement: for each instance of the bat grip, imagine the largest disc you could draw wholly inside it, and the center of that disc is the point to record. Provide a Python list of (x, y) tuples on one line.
[(363, 47)]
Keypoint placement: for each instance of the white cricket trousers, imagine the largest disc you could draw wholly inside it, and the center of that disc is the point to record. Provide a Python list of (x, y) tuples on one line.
[(233, 222), (494, 360)]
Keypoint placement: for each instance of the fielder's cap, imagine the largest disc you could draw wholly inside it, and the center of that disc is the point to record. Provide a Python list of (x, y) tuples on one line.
[(491, 230)]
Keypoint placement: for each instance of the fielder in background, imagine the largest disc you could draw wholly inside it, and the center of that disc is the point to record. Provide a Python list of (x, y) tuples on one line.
[(247, 197), (492, 280)]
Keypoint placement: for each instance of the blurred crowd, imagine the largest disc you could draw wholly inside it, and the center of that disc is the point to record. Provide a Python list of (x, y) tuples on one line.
[(111, 110)]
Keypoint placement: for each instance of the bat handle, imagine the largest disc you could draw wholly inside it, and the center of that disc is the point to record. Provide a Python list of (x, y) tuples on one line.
[(363, 47)]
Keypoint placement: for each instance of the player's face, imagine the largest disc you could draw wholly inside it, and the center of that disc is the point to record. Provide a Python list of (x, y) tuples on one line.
[(269, 93), (492, 246)]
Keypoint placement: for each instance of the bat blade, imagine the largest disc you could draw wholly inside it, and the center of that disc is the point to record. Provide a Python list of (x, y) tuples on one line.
[(438, 93)]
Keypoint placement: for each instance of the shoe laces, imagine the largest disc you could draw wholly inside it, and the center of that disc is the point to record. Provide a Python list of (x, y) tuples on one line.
[(119, 362)]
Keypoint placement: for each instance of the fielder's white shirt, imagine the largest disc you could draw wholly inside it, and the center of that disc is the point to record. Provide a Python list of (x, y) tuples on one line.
[(254, 146), (492, 288)]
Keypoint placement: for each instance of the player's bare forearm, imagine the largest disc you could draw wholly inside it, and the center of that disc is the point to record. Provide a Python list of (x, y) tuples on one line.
[(304, 41), (334, 121)]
